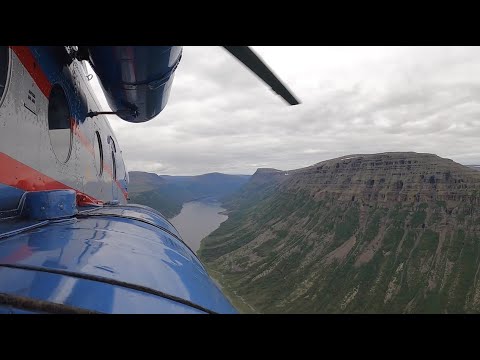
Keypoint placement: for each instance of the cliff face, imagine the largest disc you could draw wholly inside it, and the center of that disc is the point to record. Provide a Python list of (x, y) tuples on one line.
[(393, 232), (388, 177)]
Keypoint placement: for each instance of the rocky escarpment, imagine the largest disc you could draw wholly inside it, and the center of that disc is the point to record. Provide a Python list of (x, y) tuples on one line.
[(389, 177), (266, 175), (392, 232)]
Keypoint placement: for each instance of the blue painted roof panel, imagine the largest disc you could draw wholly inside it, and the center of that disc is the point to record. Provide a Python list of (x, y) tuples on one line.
[(123, 249), (139, 212), (87, 294)]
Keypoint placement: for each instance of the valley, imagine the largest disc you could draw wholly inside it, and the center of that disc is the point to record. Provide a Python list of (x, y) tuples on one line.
[(376, 233), (167, 193)]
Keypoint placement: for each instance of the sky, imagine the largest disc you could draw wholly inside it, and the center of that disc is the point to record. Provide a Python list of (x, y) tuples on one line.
[(221, 118)]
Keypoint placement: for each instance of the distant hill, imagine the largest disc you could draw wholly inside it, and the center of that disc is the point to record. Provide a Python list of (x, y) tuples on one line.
[(143, 181), (376, 233), (168, 193)]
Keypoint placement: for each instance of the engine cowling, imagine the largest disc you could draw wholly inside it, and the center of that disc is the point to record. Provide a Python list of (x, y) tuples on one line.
[(136, 80)]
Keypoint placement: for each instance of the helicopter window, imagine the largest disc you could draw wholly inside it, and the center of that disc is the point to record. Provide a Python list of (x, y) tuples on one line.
[(98, 153), (59, 123), (114, 163), (112, 143), (58, 109), (4, 59)]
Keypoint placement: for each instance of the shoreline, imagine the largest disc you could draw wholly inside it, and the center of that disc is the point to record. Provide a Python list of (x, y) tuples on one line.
[(237, 301)]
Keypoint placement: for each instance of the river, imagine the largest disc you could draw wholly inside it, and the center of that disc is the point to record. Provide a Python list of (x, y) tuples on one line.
[(198, 219)]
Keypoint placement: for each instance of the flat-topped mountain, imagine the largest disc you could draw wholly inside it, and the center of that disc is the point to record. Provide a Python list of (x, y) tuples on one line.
[(390, 232), (388, 177)]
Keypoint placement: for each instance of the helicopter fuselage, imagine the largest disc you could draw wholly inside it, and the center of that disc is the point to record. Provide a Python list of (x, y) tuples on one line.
[(46, 139)]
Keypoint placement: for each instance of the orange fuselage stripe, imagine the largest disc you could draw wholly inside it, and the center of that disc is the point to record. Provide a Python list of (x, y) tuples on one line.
[(28, 61), (26, 57), (17, 174)]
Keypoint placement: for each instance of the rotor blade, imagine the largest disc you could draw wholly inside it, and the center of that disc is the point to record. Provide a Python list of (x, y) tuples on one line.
[(254, 63)]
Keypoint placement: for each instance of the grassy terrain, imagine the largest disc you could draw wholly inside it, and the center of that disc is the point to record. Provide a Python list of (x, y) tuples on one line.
[(167, 203), (288, 252)]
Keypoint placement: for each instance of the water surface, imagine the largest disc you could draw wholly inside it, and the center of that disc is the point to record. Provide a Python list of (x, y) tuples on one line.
[(198, 219)]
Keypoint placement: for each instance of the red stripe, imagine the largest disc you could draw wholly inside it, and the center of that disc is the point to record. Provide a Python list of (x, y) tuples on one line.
[(28, 61), (81, 137), (14, 173), (109, 171), (21, 253), (26, 57), (125, 193), (19, 175)]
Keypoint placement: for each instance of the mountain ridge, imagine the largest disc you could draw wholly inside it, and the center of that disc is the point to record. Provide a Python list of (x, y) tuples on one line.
[(335, 237)]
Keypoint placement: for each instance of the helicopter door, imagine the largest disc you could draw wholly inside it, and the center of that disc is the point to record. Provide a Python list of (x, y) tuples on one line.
[(113, 154)]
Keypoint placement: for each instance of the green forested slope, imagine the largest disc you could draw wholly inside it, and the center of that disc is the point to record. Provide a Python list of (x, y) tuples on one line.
[(337, 238)]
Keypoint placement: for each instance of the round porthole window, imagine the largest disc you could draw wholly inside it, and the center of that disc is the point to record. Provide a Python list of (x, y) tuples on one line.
[(4, 62), (59, 124), (98, 153)]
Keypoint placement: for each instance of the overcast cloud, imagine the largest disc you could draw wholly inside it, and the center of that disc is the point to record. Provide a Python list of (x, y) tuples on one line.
[(221, 117)]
